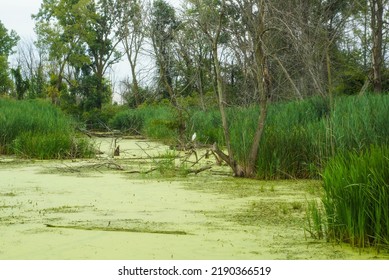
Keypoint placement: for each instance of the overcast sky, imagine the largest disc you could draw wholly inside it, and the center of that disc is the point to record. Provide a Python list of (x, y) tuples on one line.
[(16, 15)]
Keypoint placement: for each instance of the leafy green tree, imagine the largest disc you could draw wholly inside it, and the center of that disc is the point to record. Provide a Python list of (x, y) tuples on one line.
[(5, 81), (102, 39), (60, 26), (8, 40), (94, 91), (21, 85), (79, 34)]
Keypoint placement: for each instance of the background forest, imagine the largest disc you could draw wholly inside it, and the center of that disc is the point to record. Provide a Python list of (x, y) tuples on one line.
[(309, 48)]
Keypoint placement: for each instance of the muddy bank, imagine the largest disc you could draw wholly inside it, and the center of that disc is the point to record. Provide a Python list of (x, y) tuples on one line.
[(57, 210)]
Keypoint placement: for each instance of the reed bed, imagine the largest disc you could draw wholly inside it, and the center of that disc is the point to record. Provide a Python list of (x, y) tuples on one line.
[(35, 129), (356, 198), (299, 137)]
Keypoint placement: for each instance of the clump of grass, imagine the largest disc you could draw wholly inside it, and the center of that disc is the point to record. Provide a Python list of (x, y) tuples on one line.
[(315, 220), (356, 197), (170, 165), (36, 129), (50, 146)]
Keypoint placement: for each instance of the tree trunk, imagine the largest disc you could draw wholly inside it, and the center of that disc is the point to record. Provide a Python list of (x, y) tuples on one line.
[(135, 85), (377, 11), (221, 101), (263, 85)]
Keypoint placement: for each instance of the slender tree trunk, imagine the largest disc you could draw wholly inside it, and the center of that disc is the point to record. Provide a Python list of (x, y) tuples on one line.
[(221, 101), (55, 97), (135, 85), (200, 88), (100, 87), (253, 157), (377, 11), (263, 85)]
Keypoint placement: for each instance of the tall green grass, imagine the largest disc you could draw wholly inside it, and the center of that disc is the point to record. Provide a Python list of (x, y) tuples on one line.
[(356, 198), (299, 137), (156, 122), (36, 129), (295, 140), (359, 122)]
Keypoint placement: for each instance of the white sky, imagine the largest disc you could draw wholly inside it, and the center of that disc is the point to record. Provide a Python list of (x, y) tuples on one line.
[(16, 15)]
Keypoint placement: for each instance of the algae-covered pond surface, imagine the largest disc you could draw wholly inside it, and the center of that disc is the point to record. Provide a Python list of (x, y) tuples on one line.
[(93, 210)]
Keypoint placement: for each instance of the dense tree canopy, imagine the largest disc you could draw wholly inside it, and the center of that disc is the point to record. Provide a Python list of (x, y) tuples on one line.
[(8, 41), (290, 49)]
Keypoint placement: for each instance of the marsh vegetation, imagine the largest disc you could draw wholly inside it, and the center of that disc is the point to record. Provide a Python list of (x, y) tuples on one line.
[(310, 211)]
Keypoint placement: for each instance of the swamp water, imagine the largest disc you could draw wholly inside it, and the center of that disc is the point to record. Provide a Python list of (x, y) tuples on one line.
[(91, 209)]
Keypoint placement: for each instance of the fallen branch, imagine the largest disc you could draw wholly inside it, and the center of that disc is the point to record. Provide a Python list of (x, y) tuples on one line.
[(144, 172), (197, 171)]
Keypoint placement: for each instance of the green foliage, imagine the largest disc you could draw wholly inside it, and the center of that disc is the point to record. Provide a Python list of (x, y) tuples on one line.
[(81, 35), (5, 81), (21, 85), (156, 122), (37, 129), (356, 197), (8, 40), (315, 220), (96, 119), (55, 145), (95, 92), (162, 31), (292, 145), (359, 122), (131, 121)]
